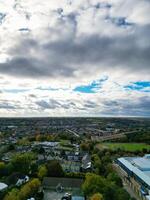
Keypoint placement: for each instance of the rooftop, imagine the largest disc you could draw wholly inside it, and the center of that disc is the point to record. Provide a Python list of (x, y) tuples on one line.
[(3, 186), (140, 166)]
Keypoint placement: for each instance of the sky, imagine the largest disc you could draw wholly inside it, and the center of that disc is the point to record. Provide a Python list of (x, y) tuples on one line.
[(74, 58)]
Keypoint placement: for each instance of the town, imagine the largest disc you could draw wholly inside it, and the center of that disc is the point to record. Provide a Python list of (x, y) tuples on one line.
[(74, 158)]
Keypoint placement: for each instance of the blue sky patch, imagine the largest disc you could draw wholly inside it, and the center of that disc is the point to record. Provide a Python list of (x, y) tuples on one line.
[(140, 85), (91, 88)]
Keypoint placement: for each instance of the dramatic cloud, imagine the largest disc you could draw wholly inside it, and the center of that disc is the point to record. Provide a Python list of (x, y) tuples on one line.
[(82, 57)]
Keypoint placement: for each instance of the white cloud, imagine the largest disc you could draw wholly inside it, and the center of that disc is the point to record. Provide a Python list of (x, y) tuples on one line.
[(63, 44)]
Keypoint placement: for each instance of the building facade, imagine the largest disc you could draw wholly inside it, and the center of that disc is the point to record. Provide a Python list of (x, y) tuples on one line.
[(135, 172)]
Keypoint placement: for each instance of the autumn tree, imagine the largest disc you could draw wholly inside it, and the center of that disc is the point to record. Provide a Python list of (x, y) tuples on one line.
[(97, 196), (12, 195), (29, 189), (42, 172)]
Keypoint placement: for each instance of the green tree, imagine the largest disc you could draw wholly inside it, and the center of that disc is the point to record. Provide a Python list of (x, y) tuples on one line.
[(93, 184), (99, 168), (113, 177), (12, 195), (42, 172), (122, 194), (29, 189), (21, 162)]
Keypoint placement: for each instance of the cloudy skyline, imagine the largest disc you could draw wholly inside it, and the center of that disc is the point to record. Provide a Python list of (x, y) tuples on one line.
[(74, 58)]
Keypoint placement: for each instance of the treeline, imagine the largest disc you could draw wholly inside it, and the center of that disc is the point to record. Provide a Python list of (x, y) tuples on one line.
[(142, 136), (99, 188)]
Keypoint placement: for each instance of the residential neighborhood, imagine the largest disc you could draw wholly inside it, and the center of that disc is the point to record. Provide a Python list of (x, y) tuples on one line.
[(61, 166)]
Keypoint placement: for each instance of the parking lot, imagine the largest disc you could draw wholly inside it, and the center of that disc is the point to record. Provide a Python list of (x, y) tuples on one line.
[(52, 195), (49, 195)]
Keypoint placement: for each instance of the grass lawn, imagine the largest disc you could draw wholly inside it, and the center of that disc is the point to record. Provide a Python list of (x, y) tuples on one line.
[(64, 142), (124, 146), (66, 145)]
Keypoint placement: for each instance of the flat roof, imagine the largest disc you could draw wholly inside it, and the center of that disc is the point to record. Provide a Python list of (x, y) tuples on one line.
[(142, 163), (130, 163)]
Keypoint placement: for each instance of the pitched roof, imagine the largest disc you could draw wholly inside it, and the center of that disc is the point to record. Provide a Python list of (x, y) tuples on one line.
[(3, 186)]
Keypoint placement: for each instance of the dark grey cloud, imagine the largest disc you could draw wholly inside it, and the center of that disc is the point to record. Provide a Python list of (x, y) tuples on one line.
[(62, 58), (9, 105), (2, 17), (90, 104), (51, 104), (126, 107), (54, 104)]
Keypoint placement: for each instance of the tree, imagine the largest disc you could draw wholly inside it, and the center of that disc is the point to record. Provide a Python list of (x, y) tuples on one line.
[(99, 169), (122, 194), (110, 191), (2, 169), (13, 178), (85, 146), (12, 195), (93, 184), (42, 172), (54, 169), (21, 162), (33, 169), (97, 196), (29, 189), (113, 177)]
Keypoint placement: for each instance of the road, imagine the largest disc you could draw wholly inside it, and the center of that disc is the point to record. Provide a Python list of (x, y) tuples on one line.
[(73, 132)]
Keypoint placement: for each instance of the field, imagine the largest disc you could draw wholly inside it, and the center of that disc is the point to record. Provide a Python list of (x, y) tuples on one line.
[(124, 146)]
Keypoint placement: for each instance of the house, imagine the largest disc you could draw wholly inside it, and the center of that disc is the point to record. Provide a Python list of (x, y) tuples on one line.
[(86, 163), (69, 166), (47, 144), (136, 173), (3, 187), (73, 157), (22, 180)]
